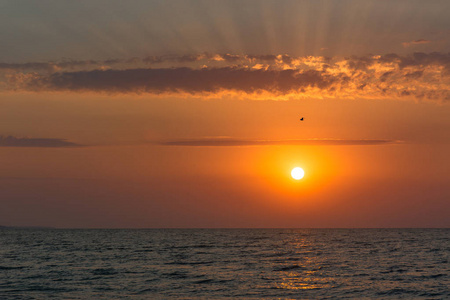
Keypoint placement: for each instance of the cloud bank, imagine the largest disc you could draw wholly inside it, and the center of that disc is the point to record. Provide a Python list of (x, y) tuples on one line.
[(11, 141), (418, 76), (230, 142)]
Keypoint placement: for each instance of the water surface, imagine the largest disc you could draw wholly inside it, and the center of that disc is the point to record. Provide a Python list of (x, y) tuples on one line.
[(225, 263)]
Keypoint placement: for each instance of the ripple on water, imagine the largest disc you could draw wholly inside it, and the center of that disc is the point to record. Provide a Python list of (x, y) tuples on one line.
[(216, 264)]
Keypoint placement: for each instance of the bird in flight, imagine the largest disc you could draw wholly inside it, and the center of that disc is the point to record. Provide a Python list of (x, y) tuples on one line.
[(301, 119)]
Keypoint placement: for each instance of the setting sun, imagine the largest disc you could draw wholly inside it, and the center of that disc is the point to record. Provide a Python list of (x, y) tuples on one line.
[(297, 173)]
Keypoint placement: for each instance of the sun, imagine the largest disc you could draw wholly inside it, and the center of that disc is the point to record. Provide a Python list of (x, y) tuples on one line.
[(297, 173)]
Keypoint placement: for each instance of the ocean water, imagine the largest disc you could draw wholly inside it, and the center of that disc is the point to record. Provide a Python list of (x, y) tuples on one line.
[(225, 263)]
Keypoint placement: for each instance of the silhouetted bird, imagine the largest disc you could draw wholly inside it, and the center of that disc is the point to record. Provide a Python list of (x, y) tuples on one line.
[(301, 119)]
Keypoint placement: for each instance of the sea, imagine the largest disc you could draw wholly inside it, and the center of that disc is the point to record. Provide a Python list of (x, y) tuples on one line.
[(224, 263)]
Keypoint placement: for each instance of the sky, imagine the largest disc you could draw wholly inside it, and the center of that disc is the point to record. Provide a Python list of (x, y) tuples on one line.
[(186, 114)]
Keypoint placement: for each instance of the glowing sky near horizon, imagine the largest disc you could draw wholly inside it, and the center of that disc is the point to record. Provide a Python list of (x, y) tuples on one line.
[(186, 113)]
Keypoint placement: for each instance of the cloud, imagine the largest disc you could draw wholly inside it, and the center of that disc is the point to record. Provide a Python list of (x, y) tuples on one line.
[(11, 141), (424, 76), (182, 80), (170, 60), (230, 142), (416, 42)]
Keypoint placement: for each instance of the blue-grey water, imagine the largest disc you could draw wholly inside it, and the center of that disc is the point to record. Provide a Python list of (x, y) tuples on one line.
[(225, 263)]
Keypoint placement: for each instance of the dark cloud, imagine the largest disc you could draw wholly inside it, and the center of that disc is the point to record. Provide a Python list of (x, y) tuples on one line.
[(67, 64), (416, 42), (11, 141), (419, 75), (414, 60), (153, 59), (53, 66), (28, 66), (268, 57), (149, 60), (182, 80), (219, 142), (230, 57)]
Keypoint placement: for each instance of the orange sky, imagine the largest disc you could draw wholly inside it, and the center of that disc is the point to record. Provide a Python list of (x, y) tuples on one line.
[(122, 179), (113, 133)]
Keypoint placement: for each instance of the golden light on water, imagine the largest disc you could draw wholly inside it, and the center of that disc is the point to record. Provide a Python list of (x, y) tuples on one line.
[(297, 173)]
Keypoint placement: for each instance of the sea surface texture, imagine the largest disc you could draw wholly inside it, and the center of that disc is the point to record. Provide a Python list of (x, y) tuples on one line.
[(225, 263)]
